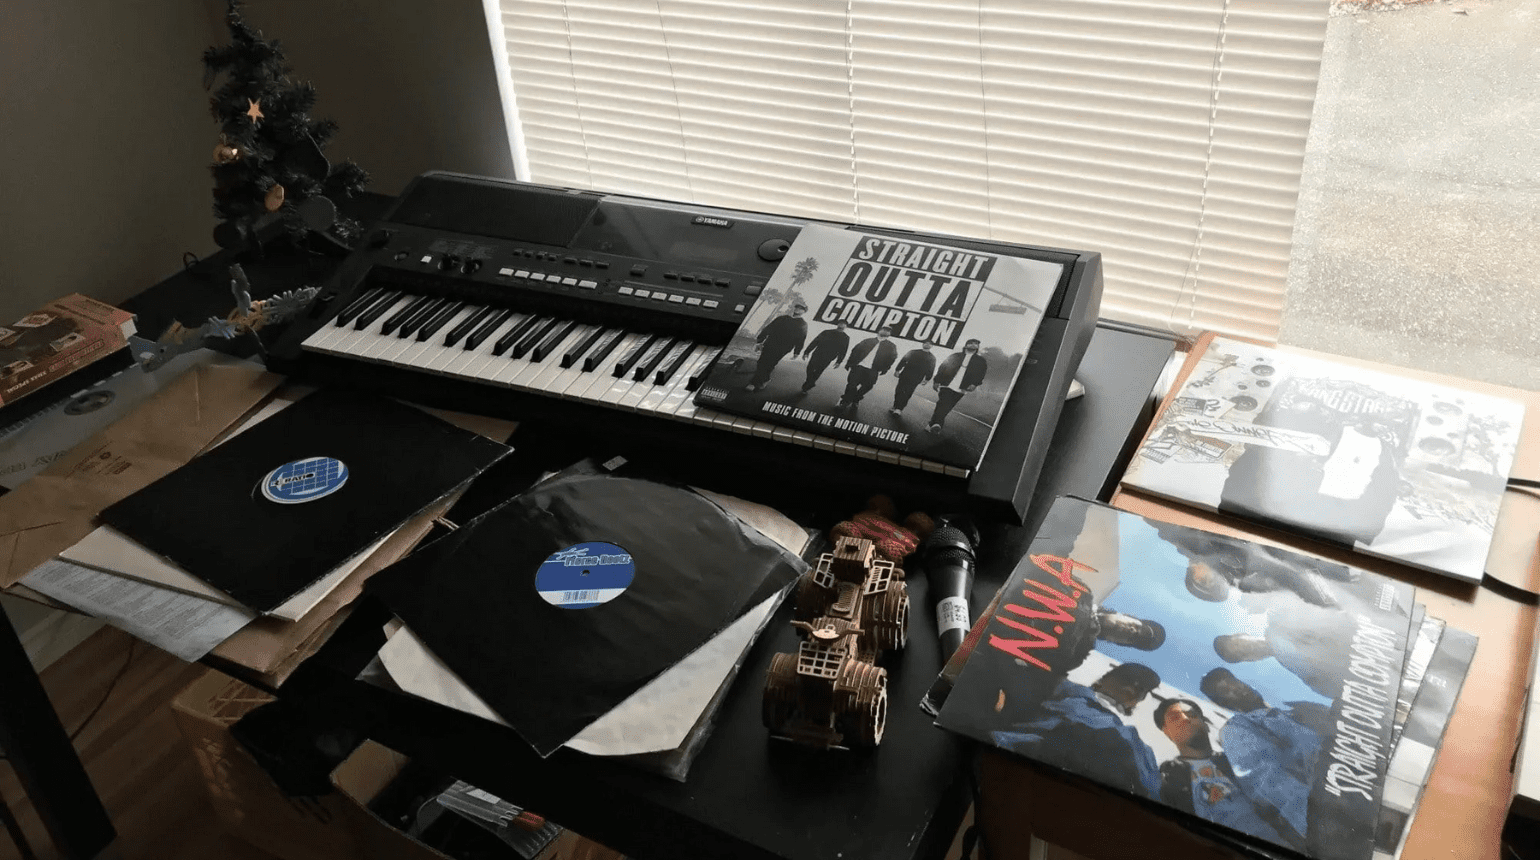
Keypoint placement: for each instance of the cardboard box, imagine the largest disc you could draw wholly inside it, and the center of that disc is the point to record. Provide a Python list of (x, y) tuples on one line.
[(244, 797), (57, 339), (372, 767)]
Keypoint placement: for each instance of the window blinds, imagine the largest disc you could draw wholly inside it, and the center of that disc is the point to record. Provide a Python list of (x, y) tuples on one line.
[(1166, 134)]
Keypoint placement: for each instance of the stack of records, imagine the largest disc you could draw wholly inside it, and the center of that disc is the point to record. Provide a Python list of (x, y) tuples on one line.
[(1372, 460), (269, 522), (1279, 703), (564, 612)]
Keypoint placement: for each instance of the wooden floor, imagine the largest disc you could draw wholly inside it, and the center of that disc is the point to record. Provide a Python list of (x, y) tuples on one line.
[(147, 777)]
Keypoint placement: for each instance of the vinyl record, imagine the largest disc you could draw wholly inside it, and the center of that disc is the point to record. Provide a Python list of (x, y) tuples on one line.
[(561, 603), (279, 506)]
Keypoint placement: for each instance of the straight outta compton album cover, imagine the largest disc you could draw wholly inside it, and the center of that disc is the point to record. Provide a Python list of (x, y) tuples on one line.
[(895, 343)]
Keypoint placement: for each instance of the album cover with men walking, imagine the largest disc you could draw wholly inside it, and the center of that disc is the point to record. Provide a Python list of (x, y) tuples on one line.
[(1248, 686), (895, 343)]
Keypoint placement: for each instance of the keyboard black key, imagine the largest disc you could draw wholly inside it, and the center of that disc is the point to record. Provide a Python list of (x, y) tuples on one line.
[(415, 321), (394, 321), (376, 310), (633, 354), (602, 350), (532, 337), (357, 306), (516, 333), (699, 375), (673, 361), (439, 319), (651, 358), (466, 326), (584, 344), (553, 340), (485, 330)]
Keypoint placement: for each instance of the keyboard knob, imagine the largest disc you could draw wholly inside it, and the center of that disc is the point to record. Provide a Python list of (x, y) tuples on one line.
[(470, 267), (448, 262)]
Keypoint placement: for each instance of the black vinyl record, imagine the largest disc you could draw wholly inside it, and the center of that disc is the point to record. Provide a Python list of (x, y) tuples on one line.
[(274, 509), (561, 603)]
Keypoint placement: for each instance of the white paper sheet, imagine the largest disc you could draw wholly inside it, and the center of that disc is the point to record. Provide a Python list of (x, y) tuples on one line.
[(173, 621)]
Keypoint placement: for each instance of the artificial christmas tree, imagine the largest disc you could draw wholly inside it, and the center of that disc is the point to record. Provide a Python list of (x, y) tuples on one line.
[(269, 165)]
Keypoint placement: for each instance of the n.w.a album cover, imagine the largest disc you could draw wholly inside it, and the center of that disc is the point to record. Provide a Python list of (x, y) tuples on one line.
[(1391, 466), (900, 344), (1251, 687)]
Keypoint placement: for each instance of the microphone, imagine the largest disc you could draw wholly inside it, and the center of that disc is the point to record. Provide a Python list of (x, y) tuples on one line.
[(947, 556)]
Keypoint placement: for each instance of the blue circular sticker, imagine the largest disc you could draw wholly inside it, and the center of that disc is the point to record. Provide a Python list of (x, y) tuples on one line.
[(304, 480), (584, 575)]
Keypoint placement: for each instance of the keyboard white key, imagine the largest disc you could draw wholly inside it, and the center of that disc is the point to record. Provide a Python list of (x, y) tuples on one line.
[(432, 350), (602, 377), (551, 369), (472, 360), (681, 389)]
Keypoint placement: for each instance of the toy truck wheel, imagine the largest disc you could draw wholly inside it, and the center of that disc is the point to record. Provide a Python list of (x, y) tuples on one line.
[(779, 704), (867, 715), (888, 617), (813, 599)]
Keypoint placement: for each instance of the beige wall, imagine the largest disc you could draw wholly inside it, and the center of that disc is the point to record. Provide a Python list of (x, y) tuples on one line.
[(410, 82), (105, 147), (107, 138)]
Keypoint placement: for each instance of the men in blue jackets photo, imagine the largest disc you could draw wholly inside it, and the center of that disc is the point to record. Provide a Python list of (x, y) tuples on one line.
[(1082, 729)]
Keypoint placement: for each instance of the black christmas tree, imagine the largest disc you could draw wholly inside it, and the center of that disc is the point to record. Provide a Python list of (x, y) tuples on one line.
[(269, 165)]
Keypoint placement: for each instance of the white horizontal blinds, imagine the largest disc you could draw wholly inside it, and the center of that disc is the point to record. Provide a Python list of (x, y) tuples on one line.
[(1167, 134), (742, 105)]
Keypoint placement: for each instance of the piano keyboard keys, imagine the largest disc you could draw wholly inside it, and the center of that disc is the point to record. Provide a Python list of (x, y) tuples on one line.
[(467, 325), (545, 354), (630, 356), (574, 354), (602, 350)]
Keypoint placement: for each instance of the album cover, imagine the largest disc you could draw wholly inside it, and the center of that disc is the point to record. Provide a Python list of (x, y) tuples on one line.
[(1415, 753), (558, 605), (1391, 466), (900, 344), (269, 512), (1248, 687)]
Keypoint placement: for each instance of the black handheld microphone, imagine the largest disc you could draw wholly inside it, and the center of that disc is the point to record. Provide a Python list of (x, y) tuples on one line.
[(947, 555)]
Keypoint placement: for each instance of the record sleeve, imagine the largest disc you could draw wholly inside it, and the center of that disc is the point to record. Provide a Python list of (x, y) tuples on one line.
[(559, 604), (279, 506), (1377, 461), (1247, 689), (904, 345)]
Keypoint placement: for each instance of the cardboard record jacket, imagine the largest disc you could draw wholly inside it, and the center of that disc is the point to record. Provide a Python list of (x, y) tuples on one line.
[(561, 603), (281, 505)]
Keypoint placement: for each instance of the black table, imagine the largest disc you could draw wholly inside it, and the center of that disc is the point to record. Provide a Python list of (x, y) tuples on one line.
[(746, 796)]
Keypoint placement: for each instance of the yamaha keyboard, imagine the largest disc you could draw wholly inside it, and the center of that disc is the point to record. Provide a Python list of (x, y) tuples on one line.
[(599, 314)]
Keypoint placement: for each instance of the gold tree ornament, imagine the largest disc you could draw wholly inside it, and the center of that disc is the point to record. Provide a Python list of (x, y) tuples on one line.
[(224, 153), (254, 111), (274, 198)]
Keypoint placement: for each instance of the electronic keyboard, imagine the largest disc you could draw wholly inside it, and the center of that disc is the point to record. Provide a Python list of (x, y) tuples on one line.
[(601, 313)]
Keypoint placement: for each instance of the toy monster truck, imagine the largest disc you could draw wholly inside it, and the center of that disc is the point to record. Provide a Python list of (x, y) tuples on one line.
[(851, 607)]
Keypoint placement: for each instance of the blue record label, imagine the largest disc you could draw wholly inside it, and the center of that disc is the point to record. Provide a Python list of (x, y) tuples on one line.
[(304, 480), (584, 575)]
